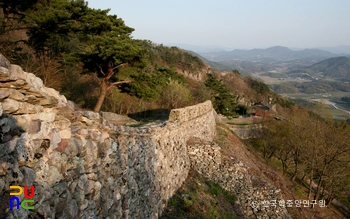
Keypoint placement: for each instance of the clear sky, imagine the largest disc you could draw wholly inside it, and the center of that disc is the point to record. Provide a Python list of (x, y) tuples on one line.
[(236, 24)]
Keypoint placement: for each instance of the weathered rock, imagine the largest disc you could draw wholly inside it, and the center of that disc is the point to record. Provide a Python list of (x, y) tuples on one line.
[(34, 127), (2, 184), (47, 101), (67, 113), (27, 108), (6, 76), (54, 138), (66, 209), (28, 176), (54, 176), (4, 62), (34, 81), (18, 72), (61, 123), (10, 106), (16, 95), (62, 145), (50, 92), (117, 119), (23, 121), (4, 94), (47, 116), (66, 134), (91, 115)]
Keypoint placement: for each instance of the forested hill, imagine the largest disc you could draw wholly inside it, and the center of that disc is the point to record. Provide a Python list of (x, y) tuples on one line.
[(333, 68), (90, 57), (279, 53)]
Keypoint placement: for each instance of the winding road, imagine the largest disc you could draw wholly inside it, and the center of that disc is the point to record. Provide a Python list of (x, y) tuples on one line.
[(326, 101)]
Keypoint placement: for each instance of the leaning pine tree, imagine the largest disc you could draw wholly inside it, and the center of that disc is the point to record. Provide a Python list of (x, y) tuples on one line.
[(108, 46), (70, 30)]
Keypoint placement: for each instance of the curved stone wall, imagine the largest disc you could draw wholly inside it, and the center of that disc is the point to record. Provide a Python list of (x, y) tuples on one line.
[(81, 165)]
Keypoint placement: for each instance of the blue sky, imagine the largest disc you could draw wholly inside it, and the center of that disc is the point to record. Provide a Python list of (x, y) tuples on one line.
[(236, 24)]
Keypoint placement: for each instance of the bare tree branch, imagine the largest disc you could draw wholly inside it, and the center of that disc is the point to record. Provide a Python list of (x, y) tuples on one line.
[(119, 82), (122, 82), (101, 71), (121, 65)]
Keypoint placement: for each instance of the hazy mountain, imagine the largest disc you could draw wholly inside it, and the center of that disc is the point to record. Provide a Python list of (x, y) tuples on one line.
[(337, 49), (277, 53), (212, 64), (198, 48), (335, 68)]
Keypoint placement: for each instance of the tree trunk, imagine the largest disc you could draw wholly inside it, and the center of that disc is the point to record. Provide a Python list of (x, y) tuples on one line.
[(310, 183), (106, 85), (303, 177), (318, 189), (101, 98), (296, 165), (283, 168)]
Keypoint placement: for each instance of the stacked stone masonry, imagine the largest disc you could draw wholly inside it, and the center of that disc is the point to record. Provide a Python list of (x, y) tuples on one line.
[(233, 176), (83, 166), (247, 131)]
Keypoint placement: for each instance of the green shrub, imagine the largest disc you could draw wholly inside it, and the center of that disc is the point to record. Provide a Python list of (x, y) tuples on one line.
[(175, 95), (223, 101)]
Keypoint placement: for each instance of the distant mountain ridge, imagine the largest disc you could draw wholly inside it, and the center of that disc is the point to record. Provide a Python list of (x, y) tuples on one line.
[(335, 68), (212, 64), (199, 48), (337, 49), (278, 53)]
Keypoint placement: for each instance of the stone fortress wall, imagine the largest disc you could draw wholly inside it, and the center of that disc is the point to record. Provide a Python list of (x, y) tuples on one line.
[(83, 166)]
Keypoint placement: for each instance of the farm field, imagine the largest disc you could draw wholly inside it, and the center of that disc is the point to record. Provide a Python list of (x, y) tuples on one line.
[(324, 103)]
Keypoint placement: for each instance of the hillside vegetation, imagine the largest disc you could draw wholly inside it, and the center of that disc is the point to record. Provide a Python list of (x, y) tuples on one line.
[(337, 68), (312, 151), (89, 56)]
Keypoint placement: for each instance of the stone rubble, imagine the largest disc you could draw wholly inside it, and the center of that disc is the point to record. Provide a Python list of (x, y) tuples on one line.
[(233, 175)]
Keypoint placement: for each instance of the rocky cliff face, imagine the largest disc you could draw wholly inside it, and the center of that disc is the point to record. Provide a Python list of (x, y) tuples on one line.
[(197, 74)]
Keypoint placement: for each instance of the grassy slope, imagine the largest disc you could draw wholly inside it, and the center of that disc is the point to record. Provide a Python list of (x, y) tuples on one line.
[(202, 199)]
